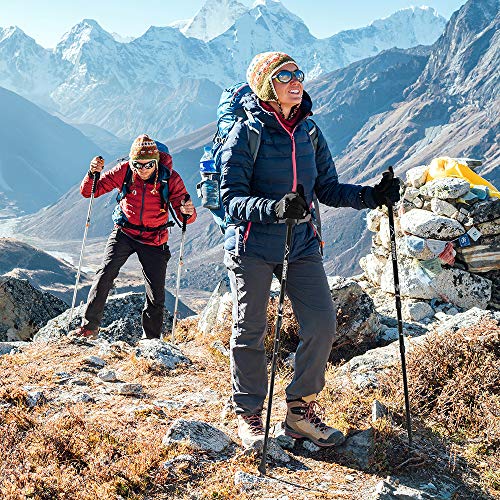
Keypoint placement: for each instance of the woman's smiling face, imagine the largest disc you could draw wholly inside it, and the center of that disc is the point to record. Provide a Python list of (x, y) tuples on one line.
[(289, 94)]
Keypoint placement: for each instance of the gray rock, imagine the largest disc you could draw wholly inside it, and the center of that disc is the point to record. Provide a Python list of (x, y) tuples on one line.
[(384, 233), (35, 398), (389, 335), (276, 452), (166, 355), (358, 447), (442, 207), (107, 375), (387, 490), (12, 347), (413, 282), (466, 319), (169, 404), (83, 398), (363, 371), (247, 481), (445, 188), (416, 311), (357, 321), (373, 266), (428, 225), (373, 219), (486, 210), (463, 289), (179, 458), (284, 441), (418, 202), (417, 176), (379, 410), (415, 247), (410, 193), (127, 389), (199, 435), (94, 361), (310, 446), (121, 320), (24, 309), (218, 307), (219, 346)]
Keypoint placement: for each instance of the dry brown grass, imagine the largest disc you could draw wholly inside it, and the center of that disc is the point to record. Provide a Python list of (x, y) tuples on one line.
[(454, 386)]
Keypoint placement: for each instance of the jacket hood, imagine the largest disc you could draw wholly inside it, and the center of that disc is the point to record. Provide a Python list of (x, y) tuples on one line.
[(251, 103)]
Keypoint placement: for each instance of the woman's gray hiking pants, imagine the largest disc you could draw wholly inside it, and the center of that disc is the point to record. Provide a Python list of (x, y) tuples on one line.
[(309, 293)]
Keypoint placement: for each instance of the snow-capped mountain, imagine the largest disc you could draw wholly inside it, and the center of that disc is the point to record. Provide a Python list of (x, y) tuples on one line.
[(213, 19), (167, 83)]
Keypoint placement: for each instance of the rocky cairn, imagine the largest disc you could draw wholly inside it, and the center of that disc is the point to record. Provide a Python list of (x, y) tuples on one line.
[(447, 239)]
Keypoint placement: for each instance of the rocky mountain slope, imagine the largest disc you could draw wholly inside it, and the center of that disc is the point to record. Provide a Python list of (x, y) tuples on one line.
[(168, 83), (40, 156)]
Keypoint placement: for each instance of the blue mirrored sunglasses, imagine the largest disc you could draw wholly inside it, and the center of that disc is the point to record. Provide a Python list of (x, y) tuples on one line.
[(285, 76), (140, 166)]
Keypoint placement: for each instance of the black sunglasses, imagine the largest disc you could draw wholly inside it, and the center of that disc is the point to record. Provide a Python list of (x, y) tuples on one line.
[(140, 166), (285, 76)]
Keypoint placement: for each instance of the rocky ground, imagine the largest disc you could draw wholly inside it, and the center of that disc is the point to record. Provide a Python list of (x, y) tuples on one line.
[(107, 419)]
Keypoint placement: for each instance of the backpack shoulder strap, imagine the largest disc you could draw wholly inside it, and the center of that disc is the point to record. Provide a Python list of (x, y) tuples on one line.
[(312, 130), (254, 129), (124, 189), (163, 177)]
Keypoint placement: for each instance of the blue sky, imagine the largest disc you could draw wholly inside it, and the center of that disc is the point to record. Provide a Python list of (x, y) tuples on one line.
[(47, 20)]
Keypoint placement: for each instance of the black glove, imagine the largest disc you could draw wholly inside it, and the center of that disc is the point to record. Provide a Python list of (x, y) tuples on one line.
[(291, 206), (386, 192)]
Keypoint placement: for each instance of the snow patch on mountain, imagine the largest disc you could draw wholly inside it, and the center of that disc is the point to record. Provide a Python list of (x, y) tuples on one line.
[(214, 18)]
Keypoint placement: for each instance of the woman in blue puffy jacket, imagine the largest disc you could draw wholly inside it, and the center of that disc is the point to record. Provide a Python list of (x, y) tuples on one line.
[(259, 196)]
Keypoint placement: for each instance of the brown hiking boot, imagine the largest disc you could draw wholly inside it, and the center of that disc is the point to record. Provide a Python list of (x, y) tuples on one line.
[(303, 420), (81, 331), (251, 431)]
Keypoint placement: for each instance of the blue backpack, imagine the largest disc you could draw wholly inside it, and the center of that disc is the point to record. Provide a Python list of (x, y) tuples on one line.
[(230, 111)]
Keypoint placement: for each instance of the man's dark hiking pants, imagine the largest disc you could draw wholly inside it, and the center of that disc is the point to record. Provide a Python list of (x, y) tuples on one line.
[(153, 261), (309, 293)]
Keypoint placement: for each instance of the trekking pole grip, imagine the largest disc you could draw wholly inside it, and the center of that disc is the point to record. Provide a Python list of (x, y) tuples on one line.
[(95, 178)]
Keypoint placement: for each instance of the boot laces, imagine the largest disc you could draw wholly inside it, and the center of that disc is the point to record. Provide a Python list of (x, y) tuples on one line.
[(315, 412), (254, 423)]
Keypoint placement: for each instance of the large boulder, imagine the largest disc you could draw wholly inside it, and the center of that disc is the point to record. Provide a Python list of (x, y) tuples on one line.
[(426, 224), (121, 320), (357, 321), (24, 309), (446, 188), (454, 285), (196, 434)]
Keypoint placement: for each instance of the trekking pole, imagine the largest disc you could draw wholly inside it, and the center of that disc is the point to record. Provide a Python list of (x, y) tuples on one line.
[(288, 241), (95, 178), (185, 217), (400, 318)]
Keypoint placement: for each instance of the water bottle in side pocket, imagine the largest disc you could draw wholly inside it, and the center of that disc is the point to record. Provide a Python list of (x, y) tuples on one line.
[(208, 188)]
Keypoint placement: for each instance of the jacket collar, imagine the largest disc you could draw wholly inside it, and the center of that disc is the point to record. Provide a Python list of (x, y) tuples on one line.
[(251, 103)]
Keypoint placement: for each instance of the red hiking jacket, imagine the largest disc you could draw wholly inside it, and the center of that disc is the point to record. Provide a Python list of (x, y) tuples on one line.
[(140, 206)]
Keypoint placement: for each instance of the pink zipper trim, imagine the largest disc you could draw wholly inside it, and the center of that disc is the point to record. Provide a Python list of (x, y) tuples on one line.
[(294, 160), (247, 232)]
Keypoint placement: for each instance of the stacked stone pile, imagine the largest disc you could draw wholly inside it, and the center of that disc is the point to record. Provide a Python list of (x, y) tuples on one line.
[(447, 239)]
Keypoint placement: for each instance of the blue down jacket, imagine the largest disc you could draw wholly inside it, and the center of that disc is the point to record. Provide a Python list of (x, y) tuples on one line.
[(249, 191)]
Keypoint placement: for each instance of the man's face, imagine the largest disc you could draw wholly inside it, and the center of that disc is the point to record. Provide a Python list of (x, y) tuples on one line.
[(144, 173)]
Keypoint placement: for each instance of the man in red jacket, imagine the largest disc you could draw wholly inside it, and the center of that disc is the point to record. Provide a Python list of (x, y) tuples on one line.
[(140, 227)]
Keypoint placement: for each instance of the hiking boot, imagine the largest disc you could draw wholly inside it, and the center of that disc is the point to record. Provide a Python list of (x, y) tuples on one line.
[(251, 431), (303, 420), (81, 331)]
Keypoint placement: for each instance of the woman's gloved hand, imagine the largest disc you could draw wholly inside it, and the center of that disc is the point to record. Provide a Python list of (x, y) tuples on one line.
[(386, 192), (291, 206)]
